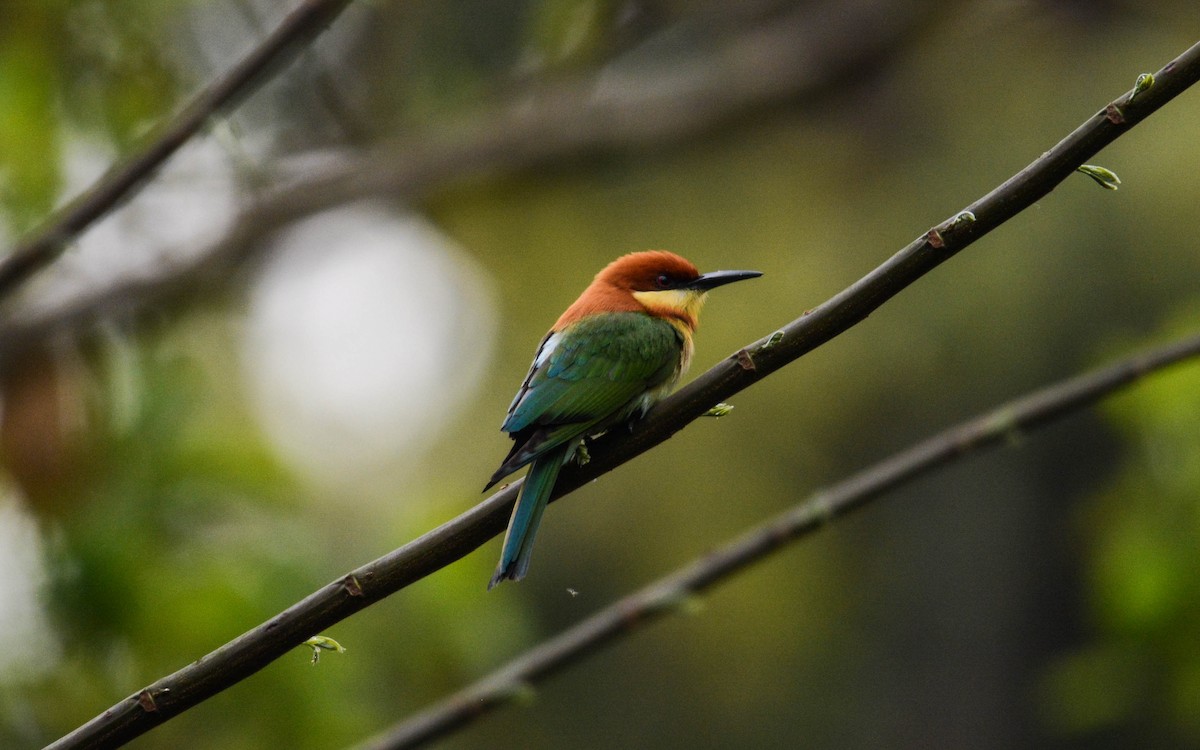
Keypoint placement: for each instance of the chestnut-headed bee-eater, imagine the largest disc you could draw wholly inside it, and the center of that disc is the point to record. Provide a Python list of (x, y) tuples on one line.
[(617, 349)]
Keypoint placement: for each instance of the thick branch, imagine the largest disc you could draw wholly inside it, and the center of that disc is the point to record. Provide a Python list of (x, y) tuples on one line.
[(50, 240), (670, 594), (453, 540)]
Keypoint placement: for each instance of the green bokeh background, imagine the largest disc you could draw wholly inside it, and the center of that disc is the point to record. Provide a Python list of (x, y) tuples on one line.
[(1047, 594)]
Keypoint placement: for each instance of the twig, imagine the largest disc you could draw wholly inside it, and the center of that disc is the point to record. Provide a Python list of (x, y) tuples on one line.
[(51, 239), (671, 594), (453, 540)]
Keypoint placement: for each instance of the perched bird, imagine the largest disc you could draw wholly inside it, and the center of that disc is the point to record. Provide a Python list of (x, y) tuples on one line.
[(616, 350)]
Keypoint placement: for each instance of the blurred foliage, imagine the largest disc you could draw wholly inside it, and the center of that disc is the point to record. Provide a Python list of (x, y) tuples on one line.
[(975, 609), (71, 67), (28, 79), (570, 32), (1141, 672)]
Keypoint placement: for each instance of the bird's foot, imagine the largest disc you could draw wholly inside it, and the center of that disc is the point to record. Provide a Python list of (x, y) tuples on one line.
[(581, 453)]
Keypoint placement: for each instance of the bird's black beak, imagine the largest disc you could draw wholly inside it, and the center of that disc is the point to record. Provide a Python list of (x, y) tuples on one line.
[(720, 278)]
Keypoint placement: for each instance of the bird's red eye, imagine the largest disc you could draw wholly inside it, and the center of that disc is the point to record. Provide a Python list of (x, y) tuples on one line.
[(662, 281)]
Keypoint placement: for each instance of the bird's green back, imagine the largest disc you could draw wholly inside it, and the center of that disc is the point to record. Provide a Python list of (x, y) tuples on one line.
[(597, 371)]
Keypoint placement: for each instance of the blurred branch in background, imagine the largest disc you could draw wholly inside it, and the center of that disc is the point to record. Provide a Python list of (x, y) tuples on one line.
[(451, 541), (672, 594), (633, 103), (39, 249)]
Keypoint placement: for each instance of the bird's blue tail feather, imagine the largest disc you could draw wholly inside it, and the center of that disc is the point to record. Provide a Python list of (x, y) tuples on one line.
[(527, 515)]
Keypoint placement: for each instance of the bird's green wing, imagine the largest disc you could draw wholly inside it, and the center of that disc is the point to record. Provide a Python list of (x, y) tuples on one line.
[(596, 369)]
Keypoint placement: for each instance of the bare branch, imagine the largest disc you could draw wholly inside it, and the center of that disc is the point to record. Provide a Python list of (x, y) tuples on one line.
[(50, 240), (671, 594), (256, 648), (802, 54)]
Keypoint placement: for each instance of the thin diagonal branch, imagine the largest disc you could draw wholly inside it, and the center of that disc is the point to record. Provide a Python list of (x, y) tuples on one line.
[(803, 55), (670, 594), (51, 239), (921, 256), (453, 540)]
